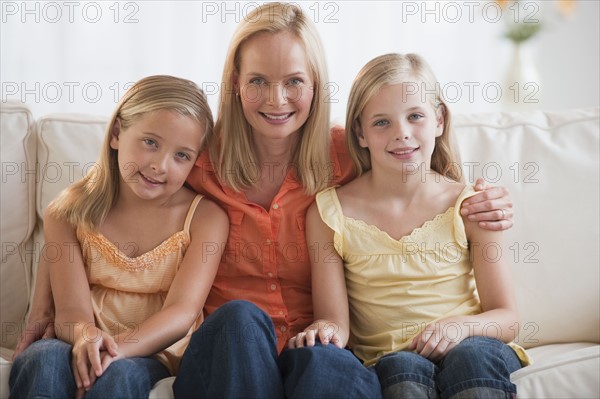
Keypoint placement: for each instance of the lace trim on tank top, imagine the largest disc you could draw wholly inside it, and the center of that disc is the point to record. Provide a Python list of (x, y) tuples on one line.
[(114, 255), (427, 227)]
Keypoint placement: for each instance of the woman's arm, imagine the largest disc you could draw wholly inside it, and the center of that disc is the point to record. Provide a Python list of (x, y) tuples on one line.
[(40, 322), (330, 298), (492, 207), (499, 317), (209, 231)]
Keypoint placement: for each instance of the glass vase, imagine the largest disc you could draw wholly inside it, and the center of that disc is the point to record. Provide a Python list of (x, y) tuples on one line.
[(521, 91)]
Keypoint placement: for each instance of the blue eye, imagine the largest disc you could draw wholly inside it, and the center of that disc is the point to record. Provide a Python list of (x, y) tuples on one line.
[(381, 122), (415, 117), (295, 81), (150, 142), (183, 155), (258, 81)]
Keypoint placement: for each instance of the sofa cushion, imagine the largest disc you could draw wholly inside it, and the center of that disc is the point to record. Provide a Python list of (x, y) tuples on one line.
[(18, 154), (68, 146), (561, 371), (5, 366), (549, 161), (162, 389)]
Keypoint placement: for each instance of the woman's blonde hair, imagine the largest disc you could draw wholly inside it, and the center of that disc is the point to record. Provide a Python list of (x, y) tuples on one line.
[(390, 69), (230, 145), (87, 202)]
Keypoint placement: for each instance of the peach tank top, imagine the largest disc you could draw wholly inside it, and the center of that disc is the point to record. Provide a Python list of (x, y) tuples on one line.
[(126, 291)]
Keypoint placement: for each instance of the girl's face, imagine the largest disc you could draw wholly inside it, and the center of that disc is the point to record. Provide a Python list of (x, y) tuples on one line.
[(399, 126), (156, 153), (275, 84)]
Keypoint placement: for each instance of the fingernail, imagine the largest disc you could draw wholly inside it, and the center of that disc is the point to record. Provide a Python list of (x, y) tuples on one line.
[(471, 217), (464, 211)]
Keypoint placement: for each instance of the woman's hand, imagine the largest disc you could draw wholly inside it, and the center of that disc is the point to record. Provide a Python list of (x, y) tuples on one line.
[(92, 353), (37, 328), (492, 207), (326, 331), (439, 338)]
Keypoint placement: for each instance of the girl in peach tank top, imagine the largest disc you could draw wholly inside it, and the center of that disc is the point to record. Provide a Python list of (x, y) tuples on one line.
[(135, 253), (126, 291)]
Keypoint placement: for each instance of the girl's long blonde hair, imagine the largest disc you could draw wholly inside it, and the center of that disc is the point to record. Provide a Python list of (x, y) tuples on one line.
[(392, 69), (86, 203), (230, 145)]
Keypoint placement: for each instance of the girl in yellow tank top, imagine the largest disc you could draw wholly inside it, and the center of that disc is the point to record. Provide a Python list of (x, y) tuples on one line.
[(418, 292), (134, 253)]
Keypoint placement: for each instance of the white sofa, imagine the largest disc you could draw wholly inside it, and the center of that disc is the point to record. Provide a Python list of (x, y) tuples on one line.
[(548, 160)]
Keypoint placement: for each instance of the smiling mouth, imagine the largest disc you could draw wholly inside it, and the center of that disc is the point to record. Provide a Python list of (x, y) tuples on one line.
[(277, 117), (150, 180), (404, 151)]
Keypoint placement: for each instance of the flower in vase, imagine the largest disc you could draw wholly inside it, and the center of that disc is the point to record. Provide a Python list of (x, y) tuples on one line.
[(523, 18)]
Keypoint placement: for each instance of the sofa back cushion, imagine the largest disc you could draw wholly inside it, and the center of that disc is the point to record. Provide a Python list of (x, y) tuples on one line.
[(18, 154), (549, 161), (68, 146)]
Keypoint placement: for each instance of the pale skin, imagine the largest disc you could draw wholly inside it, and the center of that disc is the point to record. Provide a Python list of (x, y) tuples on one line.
[(391, 134), (275, 65), (144, 215), (271, 59)]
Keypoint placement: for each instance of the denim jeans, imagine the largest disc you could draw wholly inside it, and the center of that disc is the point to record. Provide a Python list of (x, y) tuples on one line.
[(233, 354), (479, 367), (44, 371)]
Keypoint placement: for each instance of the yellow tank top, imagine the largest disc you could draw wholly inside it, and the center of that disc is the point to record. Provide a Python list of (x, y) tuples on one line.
[(397, 287)]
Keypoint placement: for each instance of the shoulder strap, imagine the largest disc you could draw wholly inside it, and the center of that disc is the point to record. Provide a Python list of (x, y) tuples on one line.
[(190, 214), (460, 235), (330, 209)]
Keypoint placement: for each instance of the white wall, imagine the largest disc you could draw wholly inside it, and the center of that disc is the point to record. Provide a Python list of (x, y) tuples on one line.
[(71, 56)]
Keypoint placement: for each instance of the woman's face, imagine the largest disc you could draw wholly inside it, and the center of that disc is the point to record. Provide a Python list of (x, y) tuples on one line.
[(275, 85)]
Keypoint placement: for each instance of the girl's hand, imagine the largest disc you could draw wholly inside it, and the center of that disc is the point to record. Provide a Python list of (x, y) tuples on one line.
[(326, 331), (92, 353), (439, 338), (106, 359), (492, 207), (36, 329)]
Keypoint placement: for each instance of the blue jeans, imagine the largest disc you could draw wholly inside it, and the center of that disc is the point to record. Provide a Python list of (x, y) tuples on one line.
[(44, 371), (479, 367), (233, 354)]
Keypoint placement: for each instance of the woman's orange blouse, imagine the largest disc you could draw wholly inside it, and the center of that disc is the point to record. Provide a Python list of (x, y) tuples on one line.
[(266, 256)]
